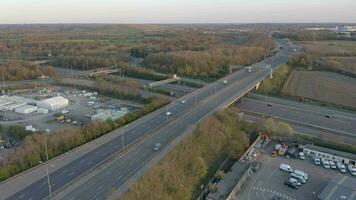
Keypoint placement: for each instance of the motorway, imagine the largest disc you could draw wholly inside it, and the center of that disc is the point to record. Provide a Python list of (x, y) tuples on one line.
[(108, 167), (316, 117)]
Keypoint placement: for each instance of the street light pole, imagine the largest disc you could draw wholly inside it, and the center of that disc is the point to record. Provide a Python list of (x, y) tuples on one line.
[(47, 171), (122, 140)]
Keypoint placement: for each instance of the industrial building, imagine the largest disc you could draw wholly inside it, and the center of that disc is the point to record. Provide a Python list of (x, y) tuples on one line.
[(26, 109), (53, 103), (24, 105), (330, 154), (339, 188)]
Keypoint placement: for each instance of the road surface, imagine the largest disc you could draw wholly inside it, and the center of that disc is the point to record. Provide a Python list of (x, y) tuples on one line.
[(342, 123)]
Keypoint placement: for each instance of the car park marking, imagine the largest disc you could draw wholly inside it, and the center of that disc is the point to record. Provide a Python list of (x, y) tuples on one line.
[(285, 196)]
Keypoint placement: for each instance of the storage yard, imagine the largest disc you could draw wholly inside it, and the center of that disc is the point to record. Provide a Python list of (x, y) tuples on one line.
[(50, 109), (301, 175)]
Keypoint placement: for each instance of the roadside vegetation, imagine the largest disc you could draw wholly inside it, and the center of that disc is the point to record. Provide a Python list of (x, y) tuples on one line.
[(16, 70), (140, 50), (31, 152), (274, 86), (183, 170)]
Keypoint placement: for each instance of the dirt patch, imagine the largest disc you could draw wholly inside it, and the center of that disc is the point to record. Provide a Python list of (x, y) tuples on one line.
[(322, 86)]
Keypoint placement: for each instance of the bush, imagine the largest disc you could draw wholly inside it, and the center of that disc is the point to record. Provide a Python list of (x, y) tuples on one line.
[(275, 85), (18, 132)]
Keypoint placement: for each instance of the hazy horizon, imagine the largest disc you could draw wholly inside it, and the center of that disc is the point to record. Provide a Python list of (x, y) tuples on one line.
[(176, 12)]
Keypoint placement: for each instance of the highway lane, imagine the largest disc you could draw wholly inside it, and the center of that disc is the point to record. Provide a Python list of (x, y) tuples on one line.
[(80, 166), (302, 114)]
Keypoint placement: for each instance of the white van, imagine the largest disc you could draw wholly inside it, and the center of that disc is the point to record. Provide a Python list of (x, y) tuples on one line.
[(342, 167), (325, 163), (285, 167), (352, 169), (295, 181), (301, 173), (299, 178)]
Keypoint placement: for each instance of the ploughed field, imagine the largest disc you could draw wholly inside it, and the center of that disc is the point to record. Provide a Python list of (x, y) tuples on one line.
[(322, 86), (330, 47)]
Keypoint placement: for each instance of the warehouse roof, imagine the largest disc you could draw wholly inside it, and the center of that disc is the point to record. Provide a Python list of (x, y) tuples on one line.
[(339, 188), (55, 100)]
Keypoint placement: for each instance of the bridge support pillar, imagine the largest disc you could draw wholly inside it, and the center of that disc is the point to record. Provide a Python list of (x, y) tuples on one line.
[(258, 85)]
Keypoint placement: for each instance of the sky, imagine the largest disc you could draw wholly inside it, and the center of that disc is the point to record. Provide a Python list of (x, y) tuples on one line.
[(176, 11)]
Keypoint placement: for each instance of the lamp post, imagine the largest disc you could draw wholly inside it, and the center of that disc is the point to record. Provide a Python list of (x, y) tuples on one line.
[(47, 171)]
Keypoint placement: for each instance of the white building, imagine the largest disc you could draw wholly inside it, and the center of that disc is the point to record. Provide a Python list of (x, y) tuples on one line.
[(329, 154), (25, 109), (53, 103)]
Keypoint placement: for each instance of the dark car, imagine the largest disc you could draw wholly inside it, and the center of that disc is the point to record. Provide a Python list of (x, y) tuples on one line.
[(291, 185)]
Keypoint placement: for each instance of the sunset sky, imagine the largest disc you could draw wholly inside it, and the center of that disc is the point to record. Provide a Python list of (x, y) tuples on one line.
[(176, 11)]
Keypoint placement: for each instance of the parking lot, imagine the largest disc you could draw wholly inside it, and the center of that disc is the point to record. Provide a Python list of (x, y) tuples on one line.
[(268, 182), (78, 109)]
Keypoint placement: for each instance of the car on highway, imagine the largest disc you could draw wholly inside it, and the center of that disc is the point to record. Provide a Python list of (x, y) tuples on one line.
[(225, 82), (157, 147), (183, 102), (168, 113)]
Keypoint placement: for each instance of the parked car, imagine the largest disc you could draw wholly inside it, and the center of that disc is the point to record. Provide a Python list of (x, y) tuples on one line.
[(301, 173), (352, 169), (292, 152), (332, 164), (301, 156), (295, 181), (291, 185), (317, 161), (285, 167), (274, 153), (325, 163), (342, 167), (298, 177)]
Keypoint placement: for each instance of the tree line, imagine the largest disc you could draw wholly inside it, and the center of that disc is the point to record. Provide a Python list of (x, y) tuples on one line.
[(15, 71)]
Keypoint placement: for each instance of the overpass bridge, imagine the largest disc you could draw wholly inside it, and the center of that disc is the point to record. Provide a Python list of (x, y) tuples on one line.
[(105, 167)]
